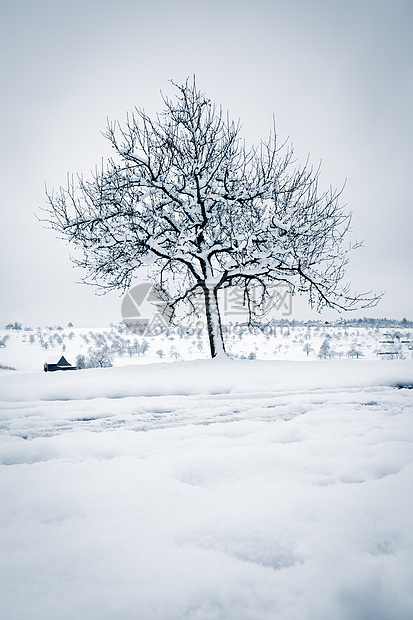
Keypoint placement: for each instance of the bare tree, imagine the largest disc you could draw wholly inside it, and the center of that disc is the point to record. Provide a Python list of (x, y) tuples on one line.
[(307, 348), (186, 197)]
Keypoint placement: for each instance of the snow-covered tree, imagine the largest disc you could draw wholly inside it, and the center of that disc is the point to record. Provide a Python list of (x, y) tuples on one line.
[(325, 350), (99, 357), (185, 196), (307, 348), (355, 351)]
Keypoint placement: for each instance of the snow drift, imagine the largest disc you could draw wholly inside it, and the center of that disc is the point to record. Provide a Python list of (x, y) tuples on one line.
[(204, 377), (208, 491)]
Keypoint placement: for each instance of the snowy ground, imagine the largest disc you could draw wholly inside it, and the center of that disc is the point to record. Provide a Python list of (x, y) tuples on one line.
[(238, 490)]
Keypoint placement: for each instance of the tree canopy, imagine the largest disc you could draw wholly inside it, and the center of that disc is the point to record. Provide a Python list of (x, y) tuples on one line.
[(184, 196)]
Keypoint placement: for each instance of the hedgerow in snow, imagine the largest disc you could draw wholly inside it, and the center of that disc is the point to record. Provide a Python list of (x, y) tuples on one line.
[(186, 197)]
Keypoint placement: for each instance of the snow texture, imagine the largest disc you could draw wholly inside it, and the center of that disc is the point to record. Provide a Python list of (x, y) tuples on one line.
[(208, 490)]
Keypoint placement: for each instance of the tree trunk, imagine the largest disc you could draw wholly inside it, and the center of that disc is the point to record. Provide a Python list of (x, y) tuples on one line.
[(213, 317)]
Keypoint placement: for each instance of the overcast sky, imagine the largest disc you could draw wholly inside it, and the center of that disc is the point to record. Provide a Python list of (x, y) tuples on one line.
[(338, 75)]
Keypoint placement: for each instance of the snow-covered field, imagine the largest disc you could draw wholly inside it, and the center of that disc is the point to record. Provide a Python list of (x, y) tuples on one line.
[(207, 490), (28, 349)]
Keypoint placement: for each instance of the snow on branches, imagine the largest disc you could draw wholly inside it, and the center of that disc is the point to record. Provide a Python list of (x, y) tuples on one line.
[(183, 195)]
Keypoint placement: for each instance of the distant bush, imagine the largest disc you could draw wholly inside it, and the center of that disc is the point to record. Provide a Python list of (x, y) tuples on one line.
[(144, 346), (174, 353), (16, 326), (4, 367), (81, 362), (4, 340)]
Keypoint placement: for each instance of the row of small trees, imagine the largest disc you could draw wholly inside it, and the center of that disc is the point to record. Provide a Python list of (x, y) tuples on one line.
[(327, 352)]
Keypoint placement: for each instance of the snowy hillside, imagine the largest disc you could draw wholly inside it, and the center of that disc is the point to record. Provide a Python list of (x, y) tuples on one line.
[(28, 349), (242, 489)]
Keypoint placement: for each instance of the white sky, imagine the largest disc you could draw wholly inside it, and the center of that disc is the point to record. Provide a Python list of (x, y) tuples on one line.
[(337, 74)]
